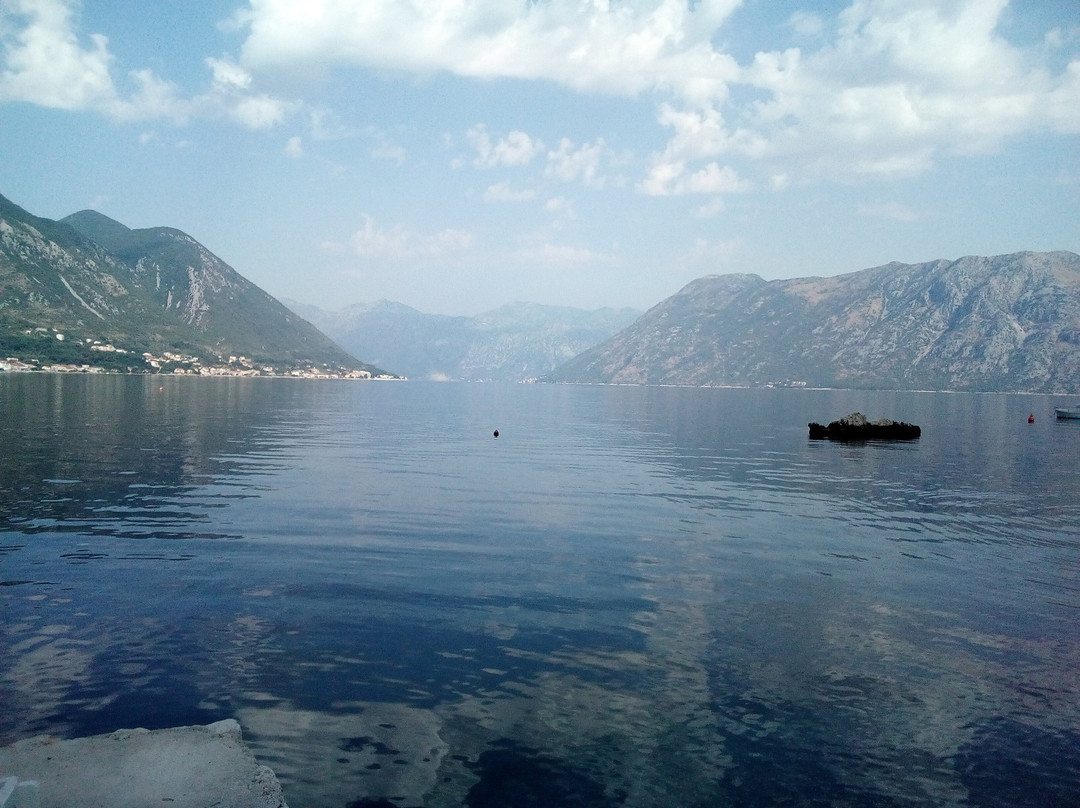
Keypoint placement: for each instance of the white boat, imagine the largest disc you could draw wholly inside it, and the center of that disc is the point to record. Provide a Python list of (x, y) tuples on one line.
[(1068, 412)]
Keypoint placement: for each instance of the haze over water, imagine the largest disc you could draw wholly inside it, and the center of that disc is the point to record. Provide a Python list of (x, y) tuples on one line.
[(631, 597)]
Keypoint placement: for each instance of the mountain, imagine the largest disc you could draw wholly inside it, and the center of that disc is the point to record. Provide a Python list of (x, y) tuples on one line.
[(1003, 323), (516, 342), (88, 280)]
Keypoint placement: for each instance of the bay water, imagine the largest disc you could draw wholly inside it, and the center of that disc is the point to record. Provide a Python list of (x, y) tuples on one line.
[(631, 597)]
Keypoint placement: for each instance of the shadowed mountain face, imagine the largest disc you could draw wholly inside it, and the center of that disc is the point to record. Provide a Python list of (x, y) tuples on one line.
[(1003, 323), (157, 289), (516, 342)]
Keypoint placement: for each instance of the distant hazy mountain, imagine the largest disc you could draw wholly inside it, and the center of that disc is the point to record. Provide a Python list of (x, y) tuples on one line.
[(512, 343), (1006, 323), (89, 278)]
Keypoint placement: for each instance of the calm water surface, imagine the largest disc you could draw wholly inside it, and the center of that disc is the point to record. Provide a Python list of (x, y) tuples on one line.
[(632, 597)]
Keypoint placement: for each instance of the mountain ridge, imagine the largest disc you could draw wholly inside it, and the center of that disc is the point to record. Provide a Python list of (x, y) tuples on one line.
[(515, 342), (88, 281), (997, 323)]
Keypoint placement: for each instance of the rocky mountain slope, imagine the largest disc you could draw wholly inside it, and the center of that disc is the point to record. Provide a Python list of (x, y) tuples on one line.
[(1002, 323), (90, 280), (516, 342)]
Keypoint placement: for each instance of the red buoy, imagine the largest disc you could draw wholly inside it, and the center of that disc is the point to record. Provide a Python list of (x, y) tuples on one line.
[(1031, 418)]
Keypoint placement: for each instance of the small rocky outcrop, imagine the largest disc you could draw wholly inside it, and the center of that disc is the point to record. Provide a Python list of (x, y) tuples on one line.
[(856, 426)]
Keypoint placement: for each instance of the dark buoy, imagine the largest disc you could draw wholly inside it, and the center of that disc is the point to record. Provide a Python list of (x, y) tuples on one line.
[(1031, 418), (495, 433)]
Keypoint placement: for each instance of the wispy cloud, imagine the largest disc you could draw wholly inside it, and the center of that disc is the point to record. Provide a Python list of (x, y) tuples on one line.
[(384, 147), (398, 242), (294, 147), (558, 255), (714, 254), (570, 162), (503, 192), (515, 149)]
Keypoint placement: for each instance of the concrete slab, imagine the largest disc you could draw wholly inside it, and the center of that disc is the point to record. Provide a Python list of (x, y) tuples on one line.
[(16, 793), (183, 767)]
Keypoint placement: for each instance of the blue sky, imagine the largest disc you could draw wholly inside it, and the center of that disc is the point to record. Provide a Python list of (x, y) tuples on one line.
[(456, 155)]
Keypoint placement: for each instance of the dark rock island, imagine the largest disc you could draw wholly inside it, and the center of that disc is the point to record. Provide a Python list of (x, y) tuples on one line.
[(856, 427)]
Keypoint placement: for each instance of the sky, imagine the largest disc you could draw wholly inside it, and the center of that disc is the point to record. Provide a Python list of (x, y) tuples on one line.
[(457, 155)]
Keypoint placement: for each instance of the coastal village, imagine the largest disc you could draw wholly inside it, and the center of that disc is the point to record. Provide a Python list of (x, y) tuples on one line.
[(182, 365)]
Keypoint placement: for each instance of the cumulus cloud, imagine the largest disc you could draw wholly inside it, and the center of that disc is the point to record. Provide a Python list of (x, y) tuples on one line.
[(901, 82), (570, 162), (880, 89), (228, 75), (503, 192), (623, 48), (516, 149), (44, 62), (888, 85), (673, 179), (258, 112), (294, 147), (398, 242), (231, 95)]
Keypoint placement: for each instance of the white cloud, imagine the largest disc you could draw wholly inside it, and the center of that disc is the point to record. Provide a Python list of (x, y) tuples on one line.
[(806, 24), (712, 253), (888, 86), (43, 62), (673, 179), (231, 93), (558, 204), (228, 75), (879, 90), (258, 112), (398, 242), (903, 81), (714, 207), (503, 192), (324, 124), (900, 83), (570, 162), (516, 149), (294, 147), (622, 48), (558, 255), (384, 147), (560, 207), (152, 99)]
